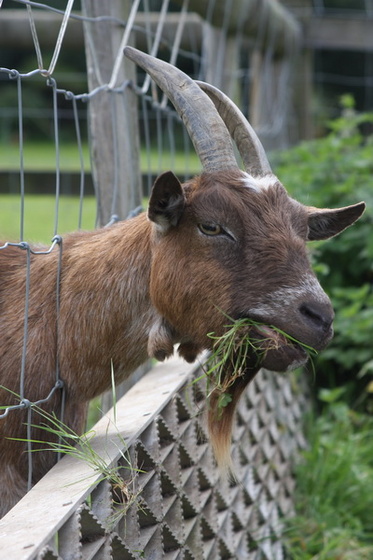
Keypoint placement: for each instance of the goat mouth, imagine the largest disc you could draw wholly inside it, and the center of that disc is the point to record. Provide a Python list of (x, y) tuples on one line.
[(243, 349), (276, 350), (253, 345)]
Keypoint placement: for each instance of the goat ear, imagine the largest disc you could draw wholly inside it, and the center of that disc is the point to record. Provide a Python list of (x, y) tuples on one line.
[(325, 223), (167, 201)]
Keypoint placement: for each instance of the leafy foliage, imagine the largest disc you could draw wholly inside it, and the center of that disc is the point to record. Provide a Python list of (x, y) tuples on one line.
[(330, 172), (334, 486), (335, 475)]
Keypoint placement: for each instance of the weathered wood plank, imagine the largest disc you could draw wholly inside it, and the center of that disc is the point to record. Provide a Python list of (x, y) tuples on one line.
[(328, 32), (113, 122), (15, 29), (339, 33), (267, 18)]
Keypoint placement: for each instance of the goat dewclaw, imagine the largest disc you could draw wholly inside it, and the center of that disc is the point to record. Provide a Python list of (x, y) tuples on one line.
[(226, 243)]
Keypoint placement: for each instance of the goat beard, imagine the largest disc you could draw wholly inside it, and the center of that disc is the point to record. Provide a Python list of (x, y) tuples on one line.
[(280, 355), (220, 419)]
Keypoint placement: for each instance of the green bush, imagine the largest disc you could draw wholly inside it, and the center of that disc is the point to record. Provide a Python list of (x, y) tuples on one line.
[(333, 514), (336, 171)]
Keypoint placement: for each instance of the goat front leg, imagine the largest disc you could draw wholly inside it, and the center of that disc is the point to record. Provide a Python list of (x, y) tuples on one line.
[(189, 351), (162, 338), (13, 487)]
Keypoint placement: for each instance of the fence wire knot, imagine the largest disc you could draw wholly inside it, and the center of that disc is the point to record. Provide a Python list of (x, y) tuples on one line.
[(26, 403)]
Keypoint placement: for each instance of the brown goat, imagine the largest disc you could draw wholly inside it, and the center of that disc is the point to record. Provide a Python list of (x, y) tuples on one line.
[(229, 242)]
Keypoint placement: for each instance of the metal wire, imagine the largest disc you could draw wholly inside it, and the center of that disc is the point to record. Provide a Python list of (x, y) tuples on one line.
[(52, 83), (21, 162), (24, 402), (25, 322), (69, 95)]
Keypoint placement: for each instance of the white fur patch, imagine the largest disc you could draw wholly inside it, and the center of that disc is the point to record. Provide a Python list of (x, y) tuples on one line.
[(259, 184), (283, 298)]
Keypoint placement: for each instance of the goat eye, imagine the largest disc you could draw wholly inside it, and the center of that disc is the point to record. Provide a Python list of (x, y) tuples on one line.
[(210, 229)]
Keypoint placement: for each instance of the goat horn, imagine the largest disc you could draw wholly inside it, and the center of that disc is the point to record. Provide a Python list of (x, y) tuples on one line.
[(205, 127), (245, 137)]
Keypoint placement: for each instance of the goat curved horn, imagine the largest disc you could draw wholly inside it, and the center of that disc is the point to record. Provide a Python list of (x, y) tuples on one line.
[(249, 146), (205, 127)]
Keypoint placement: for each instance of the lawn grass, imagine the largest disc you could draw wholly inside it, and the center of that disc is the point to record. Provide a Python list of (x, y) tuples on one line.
[(39, 222), (41, 156)]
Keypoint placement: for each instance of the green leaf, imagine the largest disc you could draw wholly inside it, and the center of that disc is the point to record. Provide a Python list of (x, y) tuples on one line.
[(331, 395)]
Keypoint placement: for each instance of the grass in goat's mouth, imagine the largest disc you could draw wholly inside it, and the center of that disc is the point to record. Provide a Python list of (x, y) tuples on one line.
[(243, 341)]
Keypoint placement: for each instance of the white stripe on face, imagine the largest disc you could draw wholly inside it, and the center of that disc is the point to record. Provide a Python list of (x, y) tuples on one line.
[(287, 297), (259, 184)]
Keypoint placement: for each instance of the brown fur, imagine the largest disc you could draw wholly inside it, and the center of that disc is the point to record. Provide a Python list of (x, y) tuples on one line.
[(135, 289)]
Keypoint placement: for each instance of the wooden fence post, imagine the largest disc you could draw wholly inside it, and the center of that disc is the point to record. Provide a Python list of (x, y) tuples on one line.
[(262, 25), (113, 120), (113, 128), (271, 119), (220, 55)]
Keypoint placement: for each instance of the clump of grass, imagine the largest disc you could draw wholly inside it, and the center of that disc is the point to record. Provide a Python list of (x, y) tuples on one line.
[(65, 441), (243, 345), (334, 488), (62, 440)]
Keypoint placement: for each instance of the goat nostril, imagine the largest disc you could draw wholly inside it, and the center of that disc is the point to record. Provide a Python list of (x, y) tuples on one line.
[(318, 315)]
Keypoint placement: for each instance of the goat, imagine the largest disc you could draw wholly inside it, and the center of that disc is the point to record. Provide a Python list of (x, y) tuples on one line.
[(227, 242)]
